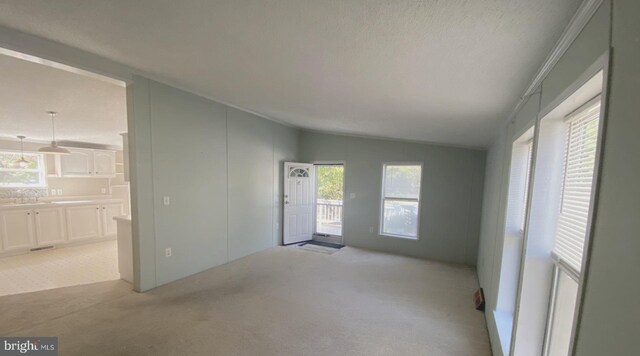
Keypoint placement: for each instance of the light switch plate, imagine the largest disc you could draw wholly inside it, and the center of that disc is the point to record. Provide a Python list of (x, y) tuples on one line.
[(166, 200), (167, 252), (103, 190), (53, 192), (60, 191), (352, 196)]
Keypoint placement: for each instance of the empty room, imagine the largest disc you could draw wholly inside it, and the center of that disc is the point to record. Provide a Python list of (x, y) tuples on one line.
[(319, 177)]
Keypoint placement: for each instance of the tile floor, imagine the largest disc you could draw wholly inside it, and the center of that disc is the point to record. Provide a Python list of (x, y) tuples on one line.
[(64, 267)]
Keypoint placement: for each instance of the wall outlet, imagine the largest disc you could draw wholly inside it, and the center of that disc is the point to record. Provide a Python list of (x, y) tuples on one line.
[(103, 190), (53, 192), (60, 191), (166, 200), (352, 196), (167, 252)]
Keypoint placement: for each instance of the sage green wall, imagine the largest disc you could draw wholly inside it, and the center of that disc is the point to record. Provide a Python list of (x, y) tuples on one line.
[(188, 146), (610, 314), (610, 319), (250, 184), (219, 166), (452, 183)]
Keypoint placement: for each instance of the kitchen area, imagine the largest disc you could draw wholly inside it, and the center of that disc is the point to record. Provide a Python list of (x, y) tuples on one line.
[(64, 184)]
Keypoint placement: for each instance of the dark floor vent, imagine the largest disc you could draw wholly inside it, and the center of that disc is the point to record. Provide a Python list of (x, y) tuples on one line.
[(41, 248)]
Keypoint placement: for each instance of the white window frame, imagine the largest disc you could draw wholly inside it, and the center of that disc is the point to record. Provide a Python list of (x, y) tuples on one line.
[(536, 277), (383, 198), (41, 170), (560, 264)]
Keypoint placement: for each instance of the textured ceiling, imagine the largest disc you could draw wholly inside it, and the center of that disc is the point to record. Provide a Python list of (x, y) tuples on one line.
[(439, 71), (90, 110)]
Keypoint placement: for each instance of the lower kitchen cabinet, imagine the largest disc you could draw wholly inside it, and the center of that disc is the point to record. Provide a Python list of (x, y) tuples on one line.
[(50, 226), (109, 225), (17, 229), (24, 228), (83, 222)]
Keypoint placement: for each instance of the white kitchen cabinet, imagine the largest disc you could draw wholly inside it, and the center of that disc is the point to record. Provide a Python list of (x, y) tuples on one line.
[(83, 222), (104, 163), (78, 163), (50, 226), (17, 229), (109, 211), (83, 162)]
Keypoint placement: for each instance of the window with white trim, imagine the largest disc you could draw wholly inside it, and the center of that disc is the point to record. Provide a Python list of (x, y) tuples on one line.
[(577, 181), (15, 173), (400, 199), (527, 177), (516, 212), (582, 128)]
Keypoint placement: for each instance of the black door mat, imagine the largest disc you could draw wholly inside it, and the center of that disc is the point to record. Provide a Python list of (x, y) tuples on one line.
[(320, 243)]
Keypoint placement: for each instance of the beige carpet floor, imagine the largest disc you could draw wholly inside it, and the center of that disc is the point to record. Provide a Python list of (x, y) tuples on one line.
[(282, 301)]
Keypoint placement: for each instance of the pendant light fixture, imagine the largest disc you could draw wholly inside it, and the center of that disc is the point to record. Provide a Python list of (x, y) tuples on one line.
[(22, 163), (54, 149)]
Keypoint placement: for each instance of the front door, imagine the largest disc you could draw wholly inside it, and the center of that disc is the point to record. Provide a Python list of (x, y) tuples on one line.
[(298, 202)]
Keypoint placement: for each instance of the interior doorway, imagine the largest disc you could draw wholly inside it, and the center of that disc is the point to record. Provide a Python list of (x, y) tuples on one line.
[(64, 184), (329, 203)]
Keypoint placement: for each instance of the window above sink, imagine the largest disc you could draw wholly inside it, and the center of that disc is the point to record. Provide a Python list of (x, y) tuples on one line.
[(15, 175)]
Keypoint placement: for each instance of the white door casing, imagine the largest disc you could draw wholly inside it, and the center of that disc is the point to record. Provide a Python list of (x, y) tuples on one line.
[(298, 202)]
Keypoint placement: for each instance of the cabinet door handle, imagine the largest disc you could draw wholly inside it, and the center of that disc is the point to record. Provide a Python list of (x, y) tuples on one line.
[(28, 213), (37, 213)]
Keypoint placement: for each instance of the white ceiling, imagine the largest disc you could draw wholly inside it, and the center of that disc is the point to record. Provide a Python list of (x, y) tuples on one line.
[(89, 110), (439, 71)]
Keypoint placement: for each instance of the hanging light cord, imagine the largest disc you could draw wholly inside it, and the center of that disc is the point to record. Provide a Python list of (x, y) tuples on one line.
[(53, 126)]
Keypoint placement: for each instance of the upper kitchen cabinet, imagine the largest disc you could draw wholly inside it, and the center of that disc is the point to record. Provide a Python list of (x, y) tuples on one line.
[(104, 163), (84, 162), (78, 163)]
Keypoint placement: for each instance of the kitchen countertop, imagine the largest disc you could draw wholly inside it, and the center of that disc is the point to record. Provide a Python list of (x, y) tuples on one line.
[(59, 203), (126, 218)]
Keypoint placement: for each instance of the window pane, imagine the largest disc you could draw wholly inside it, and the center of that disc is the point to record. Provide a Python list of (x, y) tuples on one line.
[(400, 218), (19, 179), (402, 181), (14, 174), (10, 160), (562, 322)]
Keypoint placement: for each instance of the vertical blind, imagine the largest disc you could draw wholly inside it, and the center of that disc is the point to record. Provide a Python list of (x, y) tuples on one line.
[(577, 183)]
